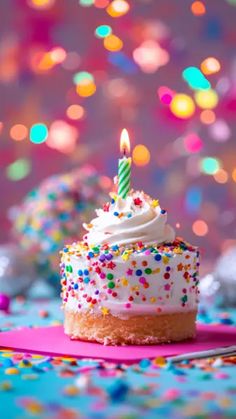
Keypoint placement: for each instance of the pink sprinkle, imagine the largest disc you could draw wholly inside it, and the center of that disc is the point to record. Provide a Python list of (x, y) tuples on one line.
[(102, 275), (171, 394), (128, 305), (221, 375), (142, 280)]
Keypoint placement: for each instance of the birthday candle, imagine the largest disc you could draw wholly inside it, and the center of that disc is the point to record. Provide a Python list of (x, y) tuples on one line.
[(124, 167)]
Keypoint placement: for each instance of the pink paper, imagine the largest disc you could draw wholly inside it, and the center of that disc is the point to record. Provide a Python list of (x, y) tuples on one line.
[(53, 341)]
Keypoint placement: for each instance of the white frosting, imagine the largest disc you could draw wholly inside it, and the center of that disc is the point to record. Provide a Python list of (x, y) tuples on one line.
[(125, 267), (138, 223), (161, 296)]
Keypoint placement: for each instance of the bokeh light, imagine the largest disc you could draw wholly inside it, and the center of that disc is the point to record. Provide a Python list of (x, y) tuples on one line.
[(41, 4), (82, 76), (86, 88), (101, 4), (234, 174), (86, 3), (62, 137), (207, 116), (58, 55), (209, 165), (102, 31), (165, 94), (195, 79), (18, 132), (182, 106), (150, 56), (141, 155), (75, 112), (200, 228), (221, 176), (206, 99), (18, 170), (220, 131), (113, 43), (193, 143), (210, 66), (193, 199), (118, 8), (38, 133), (198, 8), (72, 61)]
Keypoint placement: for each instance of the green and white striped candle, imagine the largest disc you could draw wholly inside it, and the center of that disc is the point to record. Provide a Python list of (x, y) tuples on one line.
[(124, 168)]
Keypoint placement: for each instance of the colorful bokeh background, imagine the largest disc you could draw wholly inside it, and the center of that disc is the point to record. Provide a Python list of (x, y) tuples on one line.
[(74, 73)]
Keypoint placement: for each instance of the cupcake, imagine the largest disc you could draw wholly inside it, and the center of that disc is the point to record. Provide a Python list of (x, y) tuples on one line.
[(130, 280)]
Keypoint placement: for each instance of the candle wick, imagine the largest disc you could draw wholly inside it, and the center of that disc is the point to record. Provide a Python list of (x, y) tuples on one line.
[(124, 151)]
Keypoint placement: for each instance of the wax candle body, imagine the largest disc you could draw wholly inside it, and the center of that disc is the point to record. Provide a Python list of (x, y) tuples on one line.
[(124, 171)]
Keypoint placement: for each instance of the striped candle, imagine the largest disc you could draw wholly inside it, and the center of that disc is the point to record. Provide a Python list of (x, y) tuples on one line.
[(124, 168)]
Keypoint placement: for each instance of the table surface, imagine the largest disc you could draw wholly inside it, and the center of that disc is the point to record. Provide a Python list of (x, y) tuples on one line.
[(45, 387)]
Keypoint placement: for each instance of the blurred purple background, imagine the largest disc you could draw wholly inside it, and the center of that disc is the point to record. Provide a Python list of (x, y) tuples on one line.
[(45, 47)]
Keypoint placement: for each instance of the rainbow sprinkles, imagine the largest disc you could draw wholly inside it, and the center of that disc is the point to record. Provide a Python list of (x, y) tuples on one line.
[(130, 265)]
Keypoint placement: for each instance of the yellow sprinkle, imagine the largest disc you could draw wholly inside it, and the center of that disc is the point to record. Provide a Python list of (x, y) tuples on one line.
[(34, 407), (125, 282), (12, 371), (153, 300), (155, 203), (105, 310), (165, 260), (6, 386), (160, 361), (156, 271), (71, 390), (178, 251), (89, 225), (125, 256)]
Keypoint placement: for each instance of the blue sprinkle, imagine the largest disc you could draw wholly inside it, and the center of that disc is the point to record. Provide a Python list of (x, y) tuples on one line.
[(91, 254), (144, 363), (112, 201), (129, 215), (86, 272), (116, 213), (7, 363), (115, 247), (65, 250), (157, 257), (80, 272), (226, 321), (118, 390), (163, 211), (139, 272), (76, 286), (86, 280)]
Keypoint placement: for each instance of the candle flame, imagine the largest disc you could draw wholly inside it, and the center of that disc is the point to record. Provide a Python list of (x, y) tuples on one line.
[(124, 142)]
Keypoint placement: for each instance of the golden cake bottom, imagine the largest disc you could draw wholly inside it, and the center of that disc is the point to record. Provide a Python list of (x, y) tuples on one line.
[(135, 330)]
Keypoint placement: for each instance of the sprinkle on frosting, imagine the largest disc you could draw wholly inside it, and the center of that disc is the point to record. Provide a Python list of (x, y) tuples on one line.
[(129, 262), (125, 221)]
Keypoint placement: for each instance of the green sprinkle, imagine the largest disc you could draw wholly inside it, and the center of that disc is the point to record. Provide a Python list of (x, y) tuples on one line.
[(110, 276), (111, 284), (148, 271)]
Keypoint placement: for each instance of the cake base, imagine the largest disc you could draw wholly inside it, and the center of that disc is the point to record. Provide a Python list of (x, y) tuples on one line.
[(135, 330)]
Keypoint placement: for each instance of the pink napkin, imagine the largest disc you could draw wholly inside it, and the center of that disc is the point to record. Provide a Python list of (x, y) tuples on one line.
[(53, 341)]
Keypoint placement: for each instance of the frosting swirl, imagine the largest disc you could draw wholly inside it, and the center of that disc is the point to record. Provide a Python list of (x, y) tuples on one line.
[(138, 218)]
